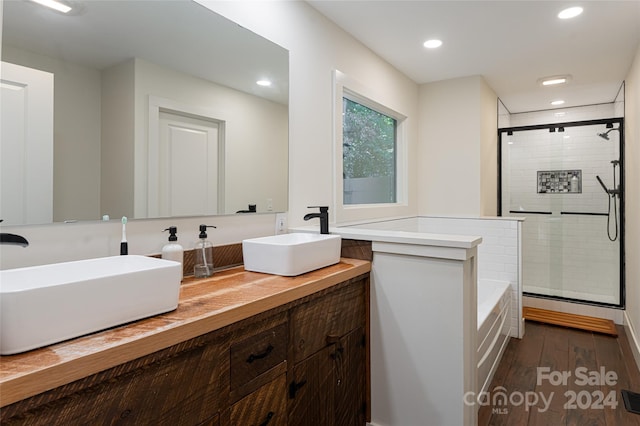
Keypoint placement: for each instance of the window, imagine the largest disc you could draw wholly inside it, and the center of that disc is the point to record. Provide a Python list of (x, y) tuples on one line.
[(368, 155), (371, 153)]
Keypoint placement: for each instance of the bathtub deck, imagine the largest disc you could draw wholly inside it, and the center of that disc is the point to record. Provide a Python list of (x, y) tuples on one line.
[(563, 349)]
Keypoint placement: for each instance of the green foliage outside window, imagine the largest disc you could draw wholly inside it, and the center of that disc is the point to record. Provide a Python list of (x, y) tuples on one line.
[(369, 149)]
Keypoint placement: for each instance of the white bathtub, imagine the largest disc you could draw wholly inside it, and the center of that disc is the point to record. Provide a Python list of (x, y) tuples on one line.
[(494, 327)]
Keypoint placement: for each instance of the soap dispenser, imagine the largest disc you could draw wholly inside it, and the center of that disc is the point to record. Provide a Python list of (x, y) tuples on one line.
[(204, 255), (574, 184), (173, 250)]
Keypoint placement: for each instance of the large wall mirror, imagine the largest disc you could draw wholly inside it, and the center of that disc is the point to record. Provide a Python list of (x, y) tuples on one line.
[(138, 108)]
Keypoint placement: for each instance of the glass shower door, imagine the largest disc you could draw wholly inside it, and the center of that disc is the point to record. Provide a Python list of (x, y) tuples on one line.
[(572, 232)]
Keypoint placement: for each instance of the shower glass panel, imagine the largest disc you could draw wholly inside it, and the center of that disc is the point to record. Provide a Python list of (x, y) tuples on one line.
[(572, 235)]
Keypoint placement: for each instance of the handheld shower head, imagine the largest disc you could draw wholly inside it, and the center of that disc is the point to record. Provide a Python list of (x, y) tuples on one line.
[(603, 185)]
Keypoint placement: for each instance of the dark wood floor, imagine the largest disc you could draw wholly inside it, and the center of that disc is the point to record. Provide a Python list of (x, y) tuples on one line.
[(574, 401)]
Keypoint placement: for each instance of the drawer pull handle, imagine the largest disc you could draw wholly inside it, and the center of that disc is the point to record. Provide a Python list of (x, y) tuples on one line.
[(332, 339), (264, 354), (268, 419), (294, 387)]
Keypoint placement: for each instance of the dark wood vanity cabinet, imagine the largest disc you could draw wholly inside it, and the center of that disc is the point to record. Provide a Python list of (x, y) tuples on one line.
[(328, 384), (302, 363), (179, 386)]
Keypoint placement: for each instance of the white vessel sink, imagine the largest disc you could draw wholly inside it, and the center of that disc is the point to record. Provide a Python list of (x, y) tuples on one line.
[(291, 254), (41, 305)]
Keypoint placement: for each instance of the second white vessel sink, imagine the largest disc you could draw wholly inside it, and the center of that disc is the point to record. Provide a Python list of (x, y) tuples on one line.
[(291, 254), (42, 305)]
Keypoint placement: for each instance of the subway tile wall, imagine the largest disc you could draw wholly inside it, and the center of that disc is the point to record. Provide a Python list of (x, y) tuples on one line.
[(577, 148)]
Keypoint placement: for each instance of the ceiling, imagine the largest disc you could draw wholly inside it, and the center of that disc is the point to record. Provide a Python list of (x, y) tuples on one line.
[(512, 44), (178, 34)]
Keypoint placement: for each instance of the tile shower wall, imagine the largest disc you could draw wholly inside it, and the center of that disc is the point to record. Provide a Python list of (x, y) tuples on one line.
[(578, 148)]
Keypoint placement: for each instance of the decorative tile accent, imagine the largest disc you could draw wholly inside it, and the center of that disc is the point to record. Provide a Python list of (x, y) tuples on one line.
[(560, 181)]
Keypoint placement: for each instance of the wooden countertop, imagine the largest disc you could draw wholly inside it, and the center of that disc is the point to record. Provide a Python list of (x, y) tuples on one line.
[(205, 305)]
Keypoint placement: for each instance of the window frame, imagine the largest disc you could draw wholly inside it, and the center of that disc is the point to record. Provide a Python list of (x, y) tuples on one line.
[(345, 87)]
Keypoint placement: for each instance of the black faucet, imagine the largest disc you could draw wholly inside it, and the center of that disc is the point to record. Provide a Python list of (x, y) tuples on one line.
[(13, 239), (323, 215), (251, 209)]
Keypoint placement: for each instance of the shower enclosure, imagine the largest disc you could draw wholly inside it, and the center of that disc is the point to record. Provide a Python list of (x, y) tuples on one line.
[(567, 180)]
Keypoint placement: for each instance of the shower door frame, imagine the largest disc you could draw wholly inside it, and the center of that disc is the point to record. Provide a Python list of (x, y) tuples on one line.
[(621, 236)]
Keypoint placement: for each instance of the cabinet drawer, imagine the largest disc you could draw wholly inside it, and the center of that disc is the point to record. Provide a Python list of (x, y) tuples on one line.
[(258, 354), (323, 321), (266, 406)]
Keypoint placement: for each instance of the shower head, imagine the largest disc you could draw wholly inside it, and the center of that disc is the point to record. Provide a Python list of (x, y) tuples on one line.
[(605, 135)]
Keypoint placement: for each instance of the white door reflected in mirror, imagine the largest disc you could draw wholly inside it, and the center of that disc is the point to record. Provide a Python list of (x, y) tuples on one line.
[(188, 166), (26, 145)]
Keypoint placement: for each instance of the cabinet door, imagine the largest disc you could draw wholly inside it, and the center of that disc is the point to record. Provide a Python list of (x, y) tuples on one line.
[(312, 390), (323, 321), (266, 406), (350, 380)]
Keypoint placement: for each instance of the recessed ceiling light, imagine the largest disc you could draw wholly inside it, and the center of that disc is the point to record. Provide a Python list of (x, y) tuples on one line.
[(554, 80), (53, 4), (432, 44), (569, 13), (558, 102), (265, 83)]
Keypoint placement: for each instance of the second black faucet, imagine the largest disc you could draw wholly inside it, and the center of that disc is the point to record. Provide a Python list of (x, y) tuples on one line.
[(323, 215)]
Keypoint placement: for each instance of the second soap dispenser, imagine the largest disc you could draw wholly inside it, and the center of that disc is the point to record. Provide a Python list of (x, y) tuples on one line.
[(203, 266), (172, 250)]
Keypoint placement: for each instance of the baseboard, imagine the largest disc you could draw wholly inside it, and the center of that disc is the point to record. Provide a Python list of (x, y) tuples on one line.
[(633, 337)]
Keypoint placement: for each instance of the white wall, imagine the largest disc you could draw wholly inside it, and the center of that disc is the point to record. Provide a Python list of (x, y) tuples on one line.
[(457, 148), (488, 151), (117, 141), (62, 242), (632, 198), (317, 47), (76, 174)]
